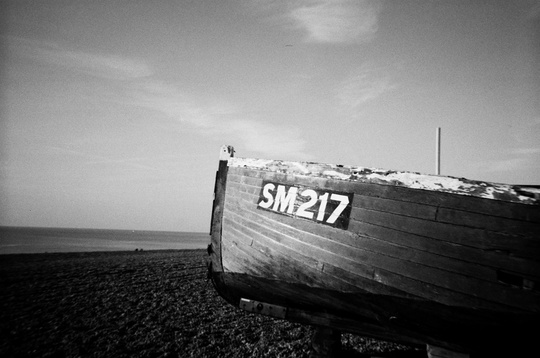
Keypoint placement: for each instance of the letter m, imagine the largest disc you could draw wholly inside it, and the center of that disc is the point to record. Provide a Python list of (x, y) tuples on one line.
[(285, 201)]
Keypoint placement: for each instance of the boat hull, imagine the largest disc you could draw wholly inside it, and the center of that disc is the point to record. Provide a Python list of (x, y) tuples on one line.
[(377, 256)]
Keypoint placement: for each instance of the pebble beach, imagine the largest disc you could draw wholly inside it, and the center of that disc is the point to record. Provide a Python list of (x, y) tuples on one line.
[(141, 304)]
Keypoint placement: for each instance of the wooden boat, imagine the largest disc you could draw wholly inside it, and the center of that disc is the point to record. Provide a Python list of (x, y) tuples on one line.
[(399, 256)]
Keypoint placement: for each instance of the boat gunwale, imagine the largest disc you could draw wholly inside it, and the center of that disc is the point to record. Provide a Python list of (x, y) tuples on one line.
[(521, 194), (232, 285)]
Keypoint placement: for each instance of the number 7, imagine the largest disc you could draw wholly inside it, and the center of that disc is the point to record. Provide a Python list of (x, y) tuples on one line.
[(343, 202)]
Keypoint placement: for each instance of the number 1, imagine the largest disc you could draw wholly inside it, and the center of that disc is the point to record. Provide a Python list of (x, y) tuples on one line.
[(322, 207)]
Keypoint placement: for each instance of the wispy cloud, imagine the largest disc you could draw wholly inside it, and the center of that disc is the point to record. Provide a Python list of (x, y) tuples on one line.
[(534, 11), (526, 151), (514, 161), (268, 139), (169, 100), (504, 165), (525, 132), (94, 159), (98, 65), (145, 90), (365, 84), (221, 119), (337, 21), (525, 154)]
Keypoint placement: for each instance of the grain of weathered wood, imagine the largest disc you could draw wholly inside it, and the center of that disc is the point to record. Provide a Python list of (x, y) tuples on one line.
[(505, 228), (425, 258), (347, 257), (443, 255), (214, 249), (459, 235), (489, 222), (258, 235), (458, 202), (483, 261)]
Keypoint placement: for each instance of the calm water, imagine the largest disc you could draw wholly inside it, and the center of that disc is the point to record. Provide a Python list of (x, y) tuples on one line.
[(15, 240)]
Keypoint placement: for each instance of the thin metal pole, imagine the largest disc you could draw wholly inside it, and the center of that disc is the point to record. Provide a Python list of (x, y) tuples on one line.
[(438, 152)]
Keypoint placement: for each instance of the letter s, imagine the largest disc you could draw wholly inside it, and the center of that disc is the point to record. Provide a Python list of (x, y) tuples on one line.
[(269, 198)]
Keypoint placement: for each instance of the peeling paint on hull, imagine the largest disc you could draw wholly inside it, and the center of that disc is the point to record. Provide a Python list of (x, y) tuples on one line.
[(399, 256), (446, 184)]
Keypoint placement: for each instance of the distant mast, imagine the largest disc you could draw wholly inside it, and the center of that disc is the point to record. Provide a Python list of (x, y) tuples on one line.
[(438, 151)]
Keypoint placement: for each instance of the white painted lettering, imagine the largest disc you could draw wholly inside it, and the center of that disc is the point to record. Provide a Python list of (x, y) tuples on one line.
[(268, 196), (285, 199), (343, 202), (322, 207), (302, 210), (314, 204)]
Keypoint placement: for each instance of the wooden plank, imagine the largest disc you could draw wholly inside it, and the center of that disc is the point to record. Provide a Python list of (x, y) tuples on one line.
[(396, 319), (293, 271), (236, 259), (260, 227), (516, 211), (438, 352), (272, 265), (300, 295), (421, 211), (431, 259), (473, 237), (304, 312), (436, 253), (295, 243), (249, 193), (486, 240), (235, 176), (450, 216), (427, 258), (456, 283), (384, 265), (484, 259), (345, 280), (489, 222), (214, 249), (445, 255), (241, 234), (498, 208)]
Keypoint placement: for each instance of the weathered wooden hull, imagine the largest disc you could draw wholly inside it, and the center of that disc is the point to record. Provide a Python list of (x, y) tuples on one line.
[(409, 258)]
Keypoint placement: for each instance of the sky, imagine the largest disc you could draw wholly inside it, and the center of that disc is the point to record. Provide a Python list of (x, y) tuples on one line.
[(112, 112)]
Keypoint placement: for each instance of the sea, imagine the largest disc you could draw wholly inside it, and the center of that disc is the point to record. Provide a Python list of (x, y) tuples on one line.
[(19, 240)]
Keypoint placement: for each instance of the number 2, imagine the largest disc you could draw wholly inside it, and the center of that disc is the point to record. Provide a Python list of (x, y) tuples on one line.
[(302, 210)]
